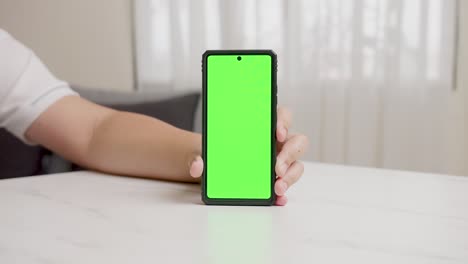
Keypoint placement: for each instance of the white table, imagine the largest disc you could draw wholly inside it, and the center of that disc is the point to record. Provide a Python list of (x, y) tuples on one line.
[(336, 214)]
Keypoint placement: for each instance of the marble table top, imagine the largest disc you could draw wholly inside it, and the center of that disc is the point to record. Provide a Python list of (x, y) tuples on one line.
[(336, 214)]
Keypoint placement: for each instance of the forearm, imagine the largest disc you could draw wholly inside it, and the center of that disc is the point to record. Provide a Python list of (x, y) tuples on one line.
[(137, 145)]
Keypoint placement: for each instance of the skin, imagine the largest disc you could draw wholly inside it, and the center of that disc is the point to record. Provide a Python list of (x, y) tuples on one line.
[(115, 142)]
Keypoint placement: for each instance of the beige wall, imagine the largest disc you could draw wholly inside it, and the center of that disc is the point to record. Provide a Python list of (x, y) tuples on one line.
[(85, 42), (463, 78), (457, 128)]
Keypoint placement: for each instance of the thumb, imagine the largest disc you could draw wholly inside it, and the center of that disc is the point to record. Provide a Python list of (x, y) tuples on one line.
[(196, 167)]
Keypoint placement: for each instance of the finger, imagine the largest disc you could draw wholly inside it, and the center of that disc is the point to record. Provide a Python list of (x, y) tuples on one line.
[(280, 187), (281, 132), (196, 167), (293, 174), (292, 150), (285, 116), (281, 200), (283, 123)]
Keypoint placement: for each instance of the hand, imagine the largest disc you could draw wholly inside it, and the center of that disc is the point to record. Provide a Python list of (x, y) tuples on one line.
[(289, 149)]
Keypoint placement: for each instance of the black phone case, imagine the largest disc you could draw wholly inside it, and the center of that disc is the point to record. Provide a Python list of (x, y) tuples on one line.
[(222, 201)]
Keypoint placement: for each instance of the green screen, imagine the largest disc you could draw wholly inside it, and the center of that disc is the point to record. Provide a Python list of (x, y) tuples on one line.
[(238, 120)]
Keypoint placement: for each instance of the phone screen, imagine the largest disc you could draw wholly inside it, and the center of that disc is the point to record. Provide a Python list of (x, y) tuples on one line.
[(239, 125)]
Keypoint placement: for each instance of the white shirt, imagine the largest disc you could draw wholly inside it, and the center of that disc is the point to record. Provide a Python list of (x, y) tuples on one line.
[(27, 88)]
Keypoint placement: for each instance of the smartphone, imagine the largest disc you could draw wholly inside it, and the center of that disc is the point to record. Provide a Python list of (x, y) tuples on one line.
[(239, 127)]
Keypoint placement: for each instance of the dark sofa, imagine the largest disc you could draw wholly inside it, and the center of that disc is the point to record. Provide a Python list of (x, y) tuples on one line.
[(178, 109)]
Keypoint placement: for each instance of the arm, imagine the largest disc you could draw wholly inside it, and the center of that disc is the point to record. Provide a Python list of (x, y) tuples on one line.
[(117, 142)]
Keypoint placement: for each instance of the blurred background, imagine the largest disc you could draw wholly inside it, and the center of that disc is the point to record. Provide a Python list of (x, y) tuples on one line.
[(380, 83)]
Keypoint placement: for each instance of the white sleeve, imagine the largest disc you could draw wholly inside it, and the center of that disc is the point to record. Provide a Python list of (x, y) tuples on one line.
[(27, 88)]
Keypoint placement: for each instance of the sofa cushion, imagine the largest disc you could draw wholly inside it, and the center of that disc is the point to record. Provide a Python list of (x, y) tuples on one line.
[(177, 109), (18, 159)]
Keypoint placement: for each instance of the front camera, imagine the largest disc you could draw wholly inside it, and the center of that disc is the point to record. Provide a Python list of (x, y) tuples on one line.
[(239, 58)]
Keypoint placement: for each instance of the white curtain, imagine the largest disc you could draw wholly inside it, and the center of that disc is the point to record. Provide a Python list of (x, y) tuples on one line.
[(368, 81)]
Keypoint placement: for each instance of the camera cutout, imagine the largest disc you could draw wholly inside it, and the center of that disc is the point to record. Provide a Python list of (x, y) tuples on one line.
[(239, 58)]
